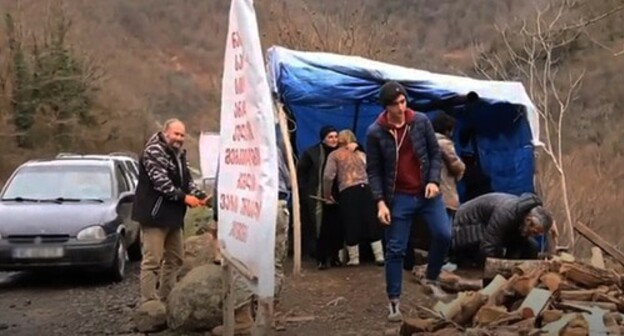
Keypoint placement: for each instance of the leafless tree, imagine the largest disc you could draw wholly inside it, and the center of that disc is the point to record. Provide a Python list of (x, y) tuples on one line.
[(533, 53)]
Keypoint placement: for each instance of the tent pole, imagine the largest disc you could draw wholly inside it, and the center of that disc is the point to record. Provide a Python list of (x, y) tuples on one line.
[(281, 115)]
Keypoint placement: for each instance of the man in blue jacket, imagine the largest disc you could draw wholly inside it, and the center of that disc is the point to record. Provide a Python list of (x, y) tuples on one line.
[(403, 164)]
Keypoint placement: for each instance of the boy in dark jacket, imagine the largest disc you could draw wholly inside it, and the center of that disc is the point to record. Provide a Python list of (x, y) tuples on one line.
[(403, 165)]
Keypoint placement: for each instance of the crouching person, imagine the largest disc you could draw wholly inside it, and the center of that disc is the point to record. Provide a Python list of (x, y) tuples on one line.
[(500, 225)]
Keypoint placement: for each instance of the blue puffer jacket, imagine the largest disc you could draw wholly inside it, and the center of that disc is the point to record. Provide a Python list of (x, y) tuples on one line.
[(381, 156)]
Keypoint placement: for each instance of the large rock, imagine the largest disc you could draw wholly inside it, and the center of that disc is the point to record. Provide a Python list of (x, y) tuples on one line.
[(198, 250), (151, 317), (195, 302)]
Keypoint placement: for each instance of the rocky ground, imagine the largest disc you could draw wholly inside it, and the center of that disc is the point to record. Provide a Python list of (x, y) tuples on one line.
[(343, 301)]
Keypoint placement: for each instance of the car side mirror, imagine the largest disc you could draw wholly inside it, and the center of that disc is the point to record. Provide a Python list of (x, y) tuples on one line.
[(126, 197)]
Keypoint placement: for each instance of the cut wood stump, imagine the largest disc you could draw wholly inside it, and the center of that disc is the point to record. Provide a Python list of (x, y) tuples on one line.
[(534, 303), (552, 281)]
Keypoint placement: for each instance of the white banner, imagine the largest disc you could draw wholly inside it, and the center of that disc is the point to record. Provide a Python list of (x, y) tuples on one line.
[(208, 154), (247, 181)]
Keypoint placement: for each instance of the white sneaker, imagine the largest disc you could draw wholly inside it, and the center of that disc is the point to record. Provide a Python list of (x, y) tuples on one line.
[(395, 312)]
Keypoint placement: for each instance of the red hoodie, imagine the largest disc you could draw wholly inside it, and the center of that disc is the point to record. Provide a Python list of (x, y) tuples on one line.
[(408, 175)]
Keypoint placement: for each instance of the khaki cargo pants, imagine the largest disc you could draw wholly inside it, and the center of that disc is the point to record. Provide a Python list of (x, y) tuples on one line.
[(163, 253), (281, 252)]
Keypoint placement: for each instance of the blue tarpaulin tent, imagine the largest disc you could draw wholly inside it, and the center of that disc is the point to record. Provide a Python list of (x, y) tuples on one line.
[(320, 89)]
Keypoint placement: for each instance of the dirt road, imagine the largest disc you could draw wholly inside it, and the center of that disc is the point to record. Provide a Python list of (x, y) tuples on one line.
[(342, 301)]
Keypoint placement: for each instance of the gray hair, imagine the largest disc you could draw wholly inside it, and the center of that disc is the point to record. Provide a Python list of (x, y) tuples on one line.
[(170, 122), (539, 215)]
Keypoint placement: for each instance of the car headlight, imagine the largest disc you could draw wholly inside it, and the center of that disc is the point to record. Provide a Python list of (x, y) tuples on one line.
[(92, 233)]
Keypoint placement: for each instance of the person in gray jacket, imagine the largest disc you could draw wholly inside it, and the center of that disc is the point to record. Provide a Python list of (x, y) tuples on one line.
[(500, 225)]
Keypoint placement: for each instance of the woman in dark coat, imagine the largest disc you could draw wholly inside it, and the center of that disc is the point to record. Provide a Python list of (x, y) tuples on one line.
[(319, 221)]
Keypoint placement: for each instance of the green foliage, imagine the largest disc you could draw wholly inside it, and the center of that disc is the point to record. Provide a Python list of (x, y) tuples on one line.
[(53, 90)]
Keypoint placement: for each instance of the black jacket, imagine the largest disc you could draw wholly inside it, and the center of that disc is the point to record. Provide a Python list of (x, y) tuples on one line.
[(493, 220), (164, 181)]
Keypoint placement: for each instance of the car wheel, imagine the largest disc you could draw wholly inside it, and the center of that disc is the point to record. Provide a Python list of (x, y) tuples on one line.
[(117, 272), (135, 250)]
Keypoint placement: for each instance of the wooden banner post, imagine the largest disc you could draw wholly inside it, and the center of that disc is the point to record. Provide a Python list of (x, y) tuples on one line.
[(264, 315), (294, 184)]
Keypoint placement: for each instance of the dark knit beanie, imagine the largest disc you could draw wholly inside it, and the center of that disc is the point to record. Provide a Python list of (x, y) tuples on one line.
[(326, 130), (390, 92)]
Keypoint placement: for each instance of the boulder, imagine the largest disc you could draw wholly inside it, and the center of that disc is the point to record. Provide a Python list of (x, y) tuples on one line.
[(195, 303), (198, 250), (151, 317)]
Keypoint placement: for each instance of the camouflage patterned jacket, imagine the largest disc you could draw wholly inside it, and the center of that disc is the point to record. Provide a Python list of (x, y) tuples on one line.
[(164, 181)]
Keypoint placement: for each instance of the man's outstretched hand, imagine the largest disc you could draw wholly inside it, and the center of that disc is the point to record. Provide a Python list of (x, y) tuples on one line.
[(192, 201)]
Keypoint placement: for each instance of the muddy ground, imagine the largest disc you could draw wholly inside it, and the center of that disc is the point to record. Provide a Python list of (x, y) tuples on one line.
[(338, 301)]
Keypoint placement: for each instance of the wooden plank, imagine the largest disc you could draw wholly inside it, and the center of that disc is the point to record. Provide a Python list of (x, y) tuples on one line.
[(588, 305), (600, 242), (597, 260), (534, 303), (294, 186), (494, 288), (264, 317), (228, 298)]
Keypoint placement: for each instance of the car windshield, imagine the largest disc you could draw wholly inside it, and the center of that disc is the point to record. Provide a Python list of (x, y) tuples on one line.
[(60, 182)]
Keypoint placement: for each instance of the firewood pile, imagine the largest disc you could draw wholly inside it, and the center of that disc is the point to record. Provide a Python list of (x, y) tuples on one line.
[(560, 296)]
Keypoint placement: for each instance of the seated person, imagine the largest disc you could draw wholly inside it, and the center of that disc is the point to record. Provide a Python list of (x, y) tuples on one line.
[(500, 225)]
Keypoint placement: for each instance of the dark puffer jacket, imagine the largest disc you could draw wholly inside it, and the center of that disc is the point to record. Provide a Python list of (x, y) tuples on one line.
[(381, 157), (493, 221)]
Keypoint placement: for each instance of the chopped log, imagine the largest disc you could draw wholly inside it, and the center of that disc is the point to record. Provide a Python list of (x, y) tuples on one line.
[(449, 310), (454, 283), (595, 322), (526, 324), (449, 282), (507, 267), (470, 308), (610, 306), (510, 318), (566, 257), (463, 308), (488, 314), (555, 328), (581, 295), (551, 315), (552, 281), (494, 288), (577, 326), (534, 303), (597, 260), (599, 241), (528, 281), (588, 276), (612, 319), (502, 295), (414, 325)]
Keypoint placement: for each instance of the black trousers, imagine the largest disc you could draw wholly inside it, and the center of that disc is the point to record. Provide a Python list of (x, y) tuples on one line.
[(358, 215), (330, 238)]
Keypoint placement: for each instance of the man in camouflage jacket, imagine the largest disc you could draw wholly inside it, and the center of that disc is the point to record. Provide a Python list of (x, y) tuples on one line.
[(164, 191)]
